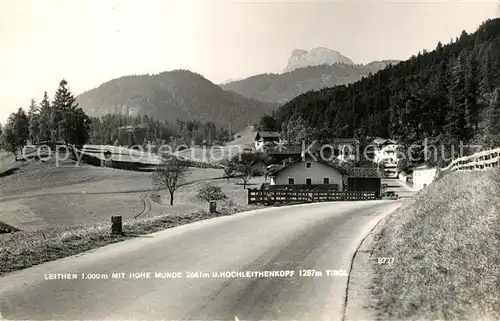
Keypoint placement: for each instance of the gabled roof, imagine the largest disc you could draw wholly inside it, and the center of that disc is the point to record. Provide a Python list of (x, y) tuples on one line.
[(382, 141), (274, 167), (256, 162), (422, 166), (285, 150), (296, 149), (341, 170), (267, 135)]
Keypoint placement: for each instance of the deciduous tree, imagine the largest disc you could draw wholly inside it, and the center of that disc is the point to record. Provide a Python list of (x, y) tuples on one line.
[(170, 175)]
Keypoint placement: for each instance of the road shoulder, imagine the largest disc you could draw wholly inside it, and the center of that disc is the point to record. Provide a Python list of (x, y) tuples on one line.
[(360, 304)]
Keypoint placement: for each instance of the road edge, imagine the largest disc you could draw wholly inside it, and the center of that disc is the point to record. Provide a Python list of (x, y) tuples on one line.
[(359, 302)]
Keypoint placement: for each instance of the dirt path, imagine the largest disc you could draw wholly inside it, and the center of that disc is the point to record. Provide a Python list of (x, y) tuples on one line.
[(146, 202)]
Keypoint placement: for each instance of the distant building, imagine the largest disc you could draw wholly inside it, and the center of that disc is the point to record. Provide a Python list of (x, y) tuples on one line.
[(345, 149), (424, 175), (405, 176), (266, 139), (131, 135), (384, 151)]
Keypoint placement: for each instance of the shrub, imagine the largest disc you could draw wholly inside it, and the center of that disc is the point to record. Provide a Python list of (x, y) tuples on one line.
[(210, 192)]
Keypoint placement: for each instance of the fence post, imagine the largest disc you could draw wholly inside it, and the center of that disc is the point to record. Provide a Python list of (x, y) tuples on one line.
[(116, 225), (213, 206)]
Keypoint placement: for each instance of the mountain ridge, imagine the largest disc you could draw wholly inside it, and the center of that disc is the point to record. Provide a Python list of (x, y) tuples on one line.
[(283, 87), (171, 95)]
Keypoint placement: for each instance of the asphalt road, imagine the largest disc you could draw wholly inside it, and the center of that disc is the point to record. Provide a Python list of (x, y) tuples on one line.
[(320, 236)]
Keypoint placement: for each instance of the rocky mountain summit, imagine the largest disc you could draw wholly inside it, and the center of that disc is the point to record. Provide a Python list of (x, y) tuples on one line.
[(301, 58)]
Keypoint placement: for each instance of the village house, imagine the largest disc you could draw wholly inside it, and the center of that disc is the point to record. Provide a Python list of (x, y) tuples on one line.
[(384, 151), (344, 149), (424, 175), (310, 172), (266, 139)]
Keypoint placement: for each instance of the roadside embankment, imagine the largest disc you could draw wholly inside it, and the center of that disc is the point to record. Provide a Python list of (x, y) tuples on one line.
[(19, 250), (444, 244)]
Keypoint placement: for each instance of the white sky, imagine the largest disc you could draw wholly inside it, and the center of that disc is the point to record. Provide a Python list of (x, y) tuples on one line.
[(89, 42)]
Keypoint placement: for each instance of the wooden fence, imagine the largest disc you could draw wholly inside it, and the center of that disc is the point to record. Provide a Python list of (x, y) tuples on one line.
[(300, 187), (483, 160), (297, 196)]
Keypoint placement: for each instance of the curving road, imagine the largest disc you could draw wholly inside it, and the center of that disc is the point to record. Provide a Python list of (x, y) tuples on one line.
[(321, 236)]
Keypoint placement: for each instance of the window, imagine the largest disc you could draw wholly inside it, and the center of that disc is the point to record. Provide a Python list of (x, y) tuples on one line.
[(308, 181), (347, 151), (308, 165), (326, 180), (291, 180)]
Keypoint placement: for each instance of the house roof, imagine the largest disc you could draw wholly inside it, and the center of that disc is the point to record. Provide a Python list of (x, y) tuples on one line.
[(132, 127), (341, 170), (422, 166), (257, 161), (285, 150), (294, 149), (381, 141), (267, 135), (345, 141)]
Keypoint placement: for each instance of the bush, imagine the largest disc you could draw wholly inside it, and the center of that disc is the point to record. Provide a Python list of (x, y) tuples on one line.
[(210, 192)]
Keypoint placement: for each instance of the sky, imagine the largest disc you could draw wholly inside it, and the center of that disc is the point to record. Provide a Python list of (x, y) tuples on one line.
[(88, 42)]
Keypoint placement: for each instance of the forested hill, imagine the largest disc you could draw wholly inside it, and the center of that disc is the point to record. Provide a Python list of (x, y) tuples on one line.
[(281, 88), (447, 95), (178, 94)]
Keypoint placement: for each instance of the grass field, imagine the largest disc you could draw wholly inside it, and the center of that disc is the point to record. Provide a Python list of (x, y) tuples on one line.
[(218, 154), (64, 209), (23, 249), (42, 195), (185, 199), (445, 243), (7, 161)]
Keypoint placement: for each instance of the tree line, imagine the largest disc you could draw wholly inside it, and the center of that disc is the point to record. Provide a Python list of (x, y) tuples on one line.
[(62, 121), (446, 96), (105, 130), (59, 120)]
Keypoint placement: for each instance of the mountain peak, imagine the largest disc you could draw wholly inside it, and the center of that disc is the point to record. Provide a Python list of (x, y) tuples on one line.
[(301, 58)]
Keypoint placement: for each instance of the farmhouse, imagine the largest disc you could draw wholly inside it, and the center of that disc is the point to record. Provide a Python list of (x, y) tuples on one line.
[(263, 139), (423, 175), (345, 149), (131, 135), (383, 151), (308, 171)]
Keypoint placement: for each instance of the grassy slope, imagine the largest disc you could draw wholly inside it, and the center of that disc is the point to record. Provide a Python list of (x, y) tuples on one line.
[(58, 225), (43, 195), (446, 248), (185, 200)]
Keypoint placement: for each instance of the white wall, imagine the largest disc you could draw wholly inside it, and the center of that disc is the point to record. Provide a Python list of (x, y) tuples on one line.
[(423, 177), (316, 172), (386, 152)]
